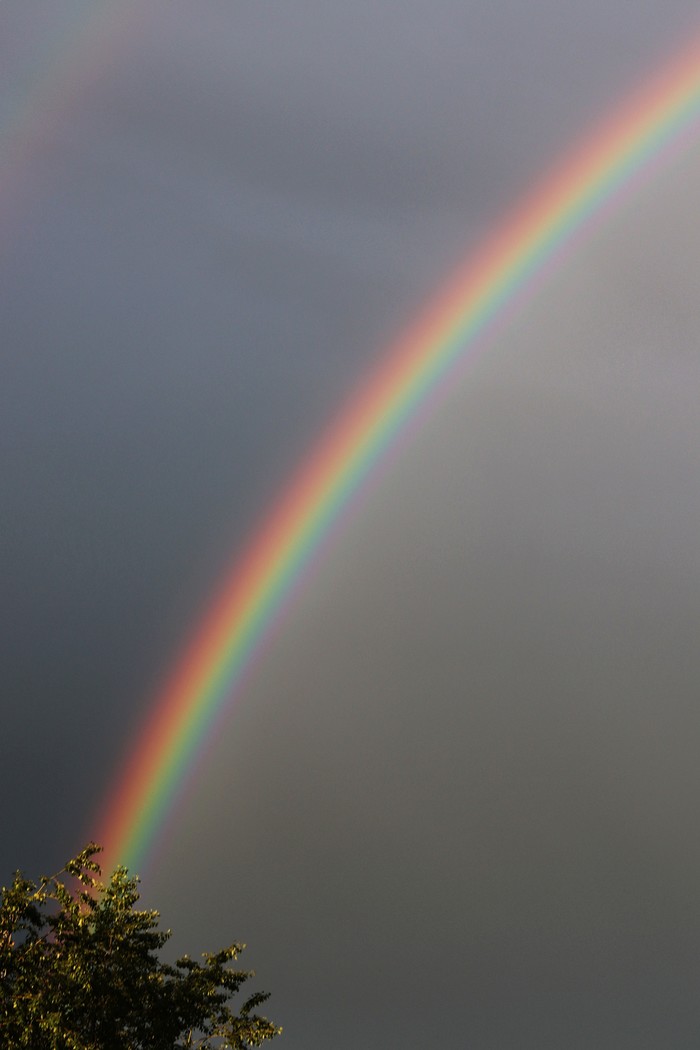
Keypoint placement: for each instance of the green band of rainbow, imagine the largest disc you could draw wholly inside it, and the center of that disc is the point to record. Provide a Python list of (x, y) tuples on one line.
[(663, 115)]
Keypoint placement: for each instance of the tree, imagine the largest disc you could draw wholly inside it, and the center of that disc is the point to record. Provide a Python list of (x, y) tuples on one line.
[(79, 970)]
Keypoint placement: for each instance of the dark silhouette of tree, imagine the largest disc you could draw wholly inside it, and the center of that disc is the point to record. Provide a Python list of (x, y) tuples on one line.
[(80, 970)]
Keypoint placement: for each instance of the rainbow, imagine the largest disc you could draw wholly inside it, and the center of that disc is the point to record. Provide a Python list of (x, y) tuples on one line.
[(76, 55), (650, 126)]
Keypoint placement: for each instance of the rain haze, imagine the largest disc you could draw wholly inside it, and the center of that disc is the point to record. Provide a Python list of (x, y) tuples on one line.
[(456, 801)]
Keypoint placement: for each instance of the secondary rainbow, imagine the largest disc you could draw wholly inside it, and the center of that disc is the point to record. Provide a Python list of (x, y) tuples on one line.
[(655, 122), (74, 56)]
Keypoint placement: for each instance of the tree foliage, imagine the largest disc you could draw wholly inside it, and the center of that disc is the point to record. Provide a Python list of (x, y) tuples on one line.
[(79, 970)]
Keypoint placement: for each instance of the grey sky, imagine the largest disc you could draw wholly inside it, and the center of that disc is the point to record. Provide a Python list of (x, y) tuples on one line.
[(457, 800)]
